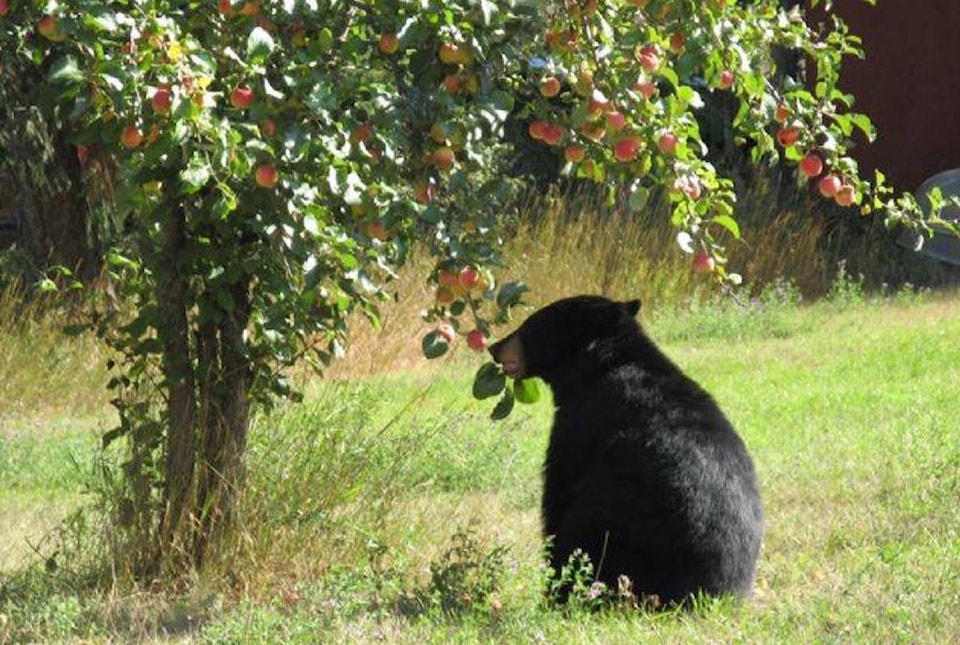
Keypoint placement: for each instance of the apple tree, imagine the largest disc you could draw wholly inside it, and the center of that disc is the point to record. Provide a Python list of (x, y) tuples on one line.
[(275, 163)]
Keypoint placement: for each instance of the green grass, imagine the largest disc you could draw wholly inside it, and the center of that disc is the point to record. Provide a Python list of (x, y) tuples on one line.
[(390, 509)]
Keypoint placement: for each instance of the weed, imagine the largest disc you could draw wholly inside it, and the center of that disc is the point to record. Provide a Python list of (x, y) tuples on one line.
[(467, 576), (846, 289)]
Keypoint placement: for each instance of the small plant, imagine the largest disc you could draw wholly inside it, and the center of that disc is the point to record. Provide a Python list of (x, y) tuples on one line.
[(468, 574), (846, 289), (575, 584)]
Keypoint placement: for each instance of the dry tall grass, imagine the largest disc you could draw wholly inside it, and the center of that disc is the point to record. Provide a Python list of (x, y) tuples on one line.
[(578, 243), (43, 372)]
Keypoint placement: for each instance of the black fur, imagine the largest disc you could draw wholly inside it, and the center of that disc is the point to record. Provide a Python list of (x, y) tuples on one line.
[(644, 473)]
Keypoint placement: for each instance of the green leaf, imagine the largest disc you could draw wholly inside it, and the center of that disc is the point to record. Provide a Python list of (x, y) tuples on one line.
[(434, 345), (487, 10), (259, 44), (504, 406), (689, 97), (65, 70), (195, 175), (100, 19), (119, 261), (511, 294), (526, 390), (728, 223), (489, 381), (863, 122)]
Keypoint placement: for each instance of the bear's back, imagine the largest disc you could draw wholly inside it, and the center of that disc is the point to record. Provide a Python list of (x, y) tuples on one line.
[(686, 495)]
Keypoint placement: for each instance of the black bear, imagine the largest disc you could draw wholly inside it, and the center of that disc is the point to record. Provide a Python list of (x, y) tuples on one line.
[(643, 473)]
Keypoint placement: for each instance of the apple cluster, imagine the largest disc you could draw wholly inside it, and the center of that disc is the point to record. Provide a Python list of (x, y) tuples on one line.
[(457, 289), (811, 164)]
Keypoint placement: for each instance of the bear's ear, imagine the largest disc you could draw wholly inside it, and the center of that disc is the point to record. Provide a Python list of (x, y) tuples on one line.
[(632, 307)]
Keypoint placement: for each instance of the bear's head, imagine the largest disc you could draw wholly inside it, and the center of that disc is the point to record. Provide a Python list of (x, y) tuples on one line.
[(561, 333)]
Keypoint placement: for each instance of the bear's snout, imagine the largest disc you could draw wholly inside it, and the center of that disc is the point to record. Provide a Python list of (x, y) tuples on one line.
[(509, 353)]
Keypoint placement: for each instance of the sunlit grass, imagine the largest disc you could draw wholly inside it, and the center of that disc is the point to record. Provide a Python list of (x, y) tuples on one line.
[(848, 407), (44, 373)]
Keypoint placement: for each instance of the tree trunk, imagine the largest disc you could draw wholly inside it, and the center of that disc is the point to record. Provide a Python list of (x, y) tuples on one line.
[(178, 521), (226, 420), (47, 203)]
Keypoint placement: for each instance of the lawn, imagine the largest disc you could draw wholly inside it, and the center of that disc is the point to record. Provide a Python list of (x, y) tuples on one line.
[(390, 509)]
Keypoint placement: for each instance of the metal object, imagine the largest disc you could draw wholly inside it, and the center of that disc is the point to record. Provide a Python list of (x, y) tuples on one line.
[(944, 245)]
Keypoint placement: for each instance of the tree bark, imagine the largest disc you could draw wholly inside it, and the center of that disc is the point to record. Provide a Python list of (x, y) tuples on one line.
[(226, 421), (178, 521), (48, 202)]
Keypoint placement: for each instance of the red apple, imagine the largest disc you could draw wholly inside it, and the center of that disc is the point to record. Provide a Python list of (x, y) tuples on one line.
[(788, 135), (476, 340), (811, 165), (782, 114), (448, 278), (443, 158), (584, 83), (445, 295), (563, 41), (446, 332), (598, 103), (424, 192), (626, 149), (574, 153), (667, 143), (131, 136), (438, 132), (268, 128), (49, 28), (549, 87), (161, 99), (389, 43), (677, 41), (452, 83), (468, 278), (241, 97), (593, 131), (689, 185), (266, 176), (363, 133), (537, 129), (298, 36), (226, 7), (450, 54), (553, 134), (616, 121), (703, 262), (829, 185), (726, 80), (646, 87), (649, 57), (4, 7), (846, 195), (377, 230)]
